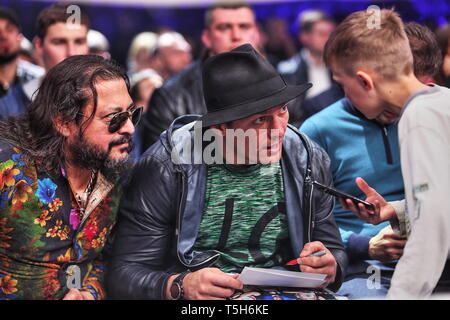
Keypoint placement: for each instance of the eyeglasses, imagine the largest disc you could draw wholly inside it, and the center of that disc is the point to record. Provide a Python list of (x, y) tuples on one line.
[(118, 119)]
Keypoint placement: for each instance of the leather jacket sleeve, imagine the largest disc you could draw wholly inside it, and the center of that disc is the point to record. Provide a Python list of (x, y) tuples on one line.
[(145, 232), (324, 227)]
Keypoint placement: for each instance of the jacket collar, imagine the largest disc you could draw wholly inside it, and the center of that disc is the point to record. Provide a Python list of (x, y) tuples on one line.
[(178, 138), (350, 108)]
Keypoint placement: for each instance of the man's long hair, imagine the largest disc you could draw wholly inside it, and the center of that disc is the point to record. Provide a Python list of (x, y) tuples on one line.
[(64, 93)]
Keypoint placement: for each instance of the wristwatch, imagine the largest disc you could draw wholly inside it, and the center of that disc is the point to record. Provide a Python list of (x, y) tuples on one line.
[(176, 290)]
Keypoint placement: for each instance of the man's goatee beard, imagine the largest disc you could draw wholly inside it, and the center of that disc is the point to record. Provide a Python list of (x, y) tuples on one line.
[(7, 58), (90, 157)]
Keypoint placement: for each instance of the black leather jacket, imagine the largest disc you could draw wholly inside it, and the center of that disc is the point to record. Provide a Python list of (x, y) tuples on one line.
[(161, 211)]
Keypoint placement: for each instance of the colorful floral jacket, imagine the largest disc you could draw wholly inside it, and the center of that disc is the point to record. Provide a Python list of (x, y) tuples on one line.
[(45, 247)]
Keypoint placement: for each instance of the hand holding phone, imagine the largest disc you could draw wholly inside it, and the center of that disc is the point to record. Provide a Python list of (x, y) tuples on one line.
[(343, 195), (383, 209)]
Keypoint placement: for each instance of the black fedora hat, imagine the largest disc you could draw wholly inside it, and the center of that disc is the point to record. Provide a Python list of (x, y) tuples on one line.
[(240, 83)]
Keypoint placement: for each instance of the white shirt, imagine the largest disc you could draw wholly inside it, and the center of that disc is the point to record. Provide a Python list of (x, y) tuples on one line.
[(318, 75)]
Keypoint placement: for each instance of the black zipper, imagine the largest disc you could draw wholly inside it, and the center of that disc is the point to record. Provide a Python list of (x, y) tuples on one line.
[(387, 145), (210, 260), (310, 189)]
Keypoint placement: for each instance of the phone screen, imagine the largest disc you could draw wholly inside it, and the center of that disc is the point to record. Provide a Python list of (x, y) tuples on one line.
[(342, 195)]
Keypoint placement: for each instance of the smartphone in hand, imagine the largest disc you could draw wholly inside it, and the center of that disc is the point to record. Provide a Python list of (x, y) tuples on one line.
[(343, 195)]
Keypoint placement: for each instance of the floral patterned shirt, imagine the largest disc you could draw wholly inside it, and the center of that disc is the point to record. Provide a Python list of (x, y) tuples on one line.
[(45, 246)]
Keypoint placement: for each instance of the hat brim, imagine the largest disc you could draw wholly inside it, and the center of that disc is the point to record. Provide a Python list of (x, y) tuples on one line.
[(247, 109)]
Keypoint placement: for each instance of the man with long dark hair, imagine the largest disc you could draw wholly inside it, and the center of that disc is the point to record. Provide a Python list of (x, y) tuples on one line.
[(59, 164)]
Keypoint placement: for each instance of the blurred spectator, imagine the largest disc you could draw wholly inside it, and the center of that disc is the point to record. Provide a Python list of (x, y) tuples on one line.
[(426, 51), (443, 38), (141, 52), (98, 44), (307, 66), (228, 24), (173, 53), (143, 69), (57, 39), (279, 45), (315, 28), (14, 73), (143, 83)]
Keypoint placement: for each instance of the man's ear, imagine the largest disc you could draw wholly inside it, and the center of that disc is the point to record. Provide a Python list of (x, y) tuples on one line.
[(63, 127), (37, 43), (365, 80), (206, 39), (20, 37), (38, 48)]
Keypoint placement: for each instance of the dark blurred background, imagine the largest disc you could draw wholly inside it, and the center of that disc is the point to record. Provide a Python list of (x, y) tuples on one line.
[(120, 20)]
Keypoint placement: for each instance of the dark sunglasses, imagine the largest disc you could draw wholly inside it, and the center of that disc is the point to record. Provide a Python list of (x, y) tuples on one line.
[(120, 118)]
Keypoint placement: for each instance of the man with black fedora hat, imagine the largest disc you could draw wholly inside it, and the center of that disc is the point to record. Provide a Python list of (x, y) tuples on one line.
[(224, 191), (227, 25)]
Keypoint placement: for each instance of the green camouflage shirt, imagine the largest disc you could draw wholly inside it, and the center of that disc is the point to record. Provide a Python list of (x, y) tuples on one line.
[(244, 216)]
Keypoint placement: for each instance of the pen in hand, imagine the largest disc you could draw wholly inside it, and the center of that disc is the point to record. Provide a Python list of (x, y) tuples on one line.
[(315, 254)]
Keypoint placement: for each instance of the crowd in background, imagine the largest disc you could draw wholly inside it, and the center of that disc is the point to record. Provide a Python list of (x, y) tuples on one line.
[(153, 57), (164, 74)]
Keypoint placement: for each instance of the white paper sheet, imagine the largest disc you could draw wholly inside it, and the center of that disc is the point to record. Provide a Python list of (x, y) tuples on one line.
[(280, 278)]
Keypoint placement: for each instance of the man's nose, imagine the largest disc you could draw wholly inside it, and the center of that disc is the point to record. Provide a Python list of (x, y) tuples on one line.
[(70, 50), (75, 49), (236, 33), (277, 129), (278, 123), (127, 127)]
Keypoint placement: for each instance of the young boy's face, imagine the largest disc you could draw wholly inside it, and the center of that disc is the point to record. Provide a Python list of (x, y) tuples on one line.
[(362, 95)]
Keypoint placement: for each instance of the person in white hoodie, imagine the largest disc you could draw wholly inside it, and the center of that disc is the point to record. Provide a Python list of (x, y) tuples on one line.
[(374, 65)]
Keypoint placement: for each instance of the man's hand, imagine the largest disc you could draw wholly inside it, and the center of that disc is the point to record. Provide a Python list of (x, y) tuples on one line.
[(75, 294), (325, 264), (383, 210), (208, 284), (386, 245)]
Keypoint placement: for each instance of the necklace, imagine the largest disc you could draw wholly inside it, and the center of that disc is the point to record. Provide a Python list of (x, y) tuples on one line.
[(82, 199)]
